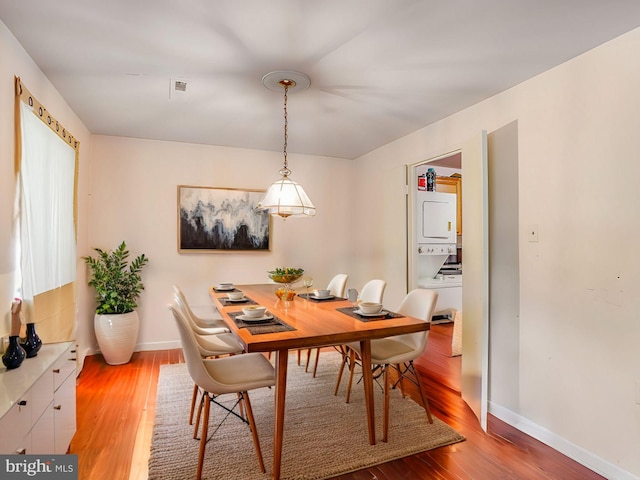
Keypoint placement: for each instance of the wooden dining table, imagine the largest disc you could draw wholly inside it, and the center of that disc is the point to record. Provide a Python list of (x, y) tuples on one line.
[(311, 324)]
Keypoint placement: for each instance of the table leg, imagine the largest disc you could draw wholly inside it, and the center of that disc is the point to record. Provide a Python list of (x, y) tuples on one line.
[(367, 377), (281, 390)]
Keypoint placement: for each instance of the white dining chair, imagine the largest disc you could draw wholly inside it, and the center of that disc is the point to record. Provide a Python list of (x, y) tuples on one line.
[(210, 345), (336, 287), (203, 326), (229, 375), (338, 284), (372, 291), (399, 351)]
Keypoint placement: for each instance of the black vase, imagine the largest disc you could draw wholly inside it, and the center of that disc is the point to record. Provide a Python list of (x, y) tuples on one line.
[(14, 355), (33, 343)]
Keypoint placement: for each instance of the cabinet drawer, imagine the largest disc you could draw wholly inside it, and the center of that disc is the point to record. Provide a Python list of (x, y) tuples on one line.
[(42, 433), (15, 425), (65, 366), (41, 396), (64, 413)]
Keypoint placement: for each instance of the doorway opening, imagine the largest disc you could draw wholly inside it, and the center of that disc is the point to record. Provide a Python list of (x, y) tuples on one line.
[(443, 272)]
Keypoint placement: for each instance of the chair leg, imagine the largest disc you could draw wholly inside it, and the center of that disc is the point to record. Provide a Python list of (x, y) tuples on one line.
[(203, 437), (200, 405), (385, 421), (400, 381), (352, 366), (298, 356), (315, 365), (194, 399), (254, 431), (306, 365), (240, 404), (344, 361), (423, 397)]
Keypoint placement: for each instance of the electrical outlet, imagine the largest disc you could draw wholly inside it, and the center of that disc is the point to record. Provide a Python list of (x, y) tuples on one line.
[(532, 233)]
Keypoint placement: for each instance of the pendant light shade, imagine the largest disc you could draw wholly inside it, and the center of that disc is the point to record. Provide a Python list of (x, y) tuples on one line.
[(285, 197)]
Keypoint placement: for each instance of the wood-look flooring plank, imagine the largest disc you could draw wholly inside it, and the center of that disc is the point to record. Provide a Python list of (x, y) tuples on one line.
[(116, 405), (111, 402)]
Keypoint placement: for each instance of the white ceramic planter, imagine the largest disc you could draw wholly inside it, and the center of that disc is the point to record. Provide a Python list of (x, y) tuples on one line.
[(117, 335)]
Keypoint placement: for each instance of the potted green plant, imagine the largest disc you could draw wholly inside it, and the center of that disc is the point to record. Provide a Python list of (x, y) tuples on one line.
[(118, 285)]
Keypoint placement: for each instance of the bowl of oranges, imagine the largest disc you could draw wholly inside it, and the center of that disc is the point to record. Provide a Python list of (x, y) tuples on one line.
[(285, 293)]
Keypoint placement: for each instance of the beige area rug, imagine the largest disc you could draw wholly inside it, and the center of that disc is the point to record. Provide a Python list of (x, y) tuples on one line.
[(323, 435)]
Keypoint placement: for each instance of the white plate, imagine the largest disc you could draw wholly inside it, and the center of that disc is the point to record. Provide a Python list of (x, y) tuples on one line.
[(315, 297), (224, 288), (379, 314), (263, 318), (243, 299)]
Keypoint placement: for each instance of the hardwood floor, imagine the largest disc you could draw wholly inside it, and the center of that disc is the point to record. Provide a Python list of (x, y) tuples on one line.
[(116, 405)]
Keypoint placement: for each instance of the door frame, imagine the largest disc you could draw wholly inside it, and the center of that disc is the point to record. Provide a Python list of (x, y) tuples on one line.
[(475, 287)]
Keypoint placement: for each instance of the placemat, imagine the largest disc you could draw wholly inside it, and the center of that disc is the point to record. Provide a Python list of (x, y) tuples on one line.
[(246, 301), (311, 298), (274, 325), (350, 311)]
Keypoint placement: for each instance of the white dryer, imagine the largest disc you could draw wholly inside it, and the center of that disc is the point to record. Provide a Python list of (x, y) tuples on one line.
[(436, 229)]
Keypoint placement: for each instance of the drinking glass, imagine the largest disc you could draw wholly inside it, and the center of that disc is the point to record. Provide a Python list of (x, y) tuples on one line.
[(307, 282), (352, 296)]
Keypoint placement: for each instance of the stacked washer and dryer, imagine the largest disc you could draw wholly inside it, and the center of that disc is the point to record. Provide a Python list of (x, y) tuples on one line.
[(438, 263)]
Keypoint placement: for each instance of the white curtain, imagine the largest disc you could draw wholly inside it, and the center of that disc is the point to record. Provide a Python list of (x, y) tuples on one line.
[(46, 181)]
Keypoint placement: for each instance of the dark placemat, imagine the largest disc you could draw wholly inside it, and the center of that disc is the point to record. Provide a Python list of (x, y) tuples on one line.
[(311, 298), (350, 311), (227, 303), (274, 325)]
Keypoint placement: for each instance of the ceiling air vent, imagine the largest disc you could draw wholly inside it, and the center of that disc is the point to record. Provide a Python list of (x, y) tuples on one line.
[(178, 88)]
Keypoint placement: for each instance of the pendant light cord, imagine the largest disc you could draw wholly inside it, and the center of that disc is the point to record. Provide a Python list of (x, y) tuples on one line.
[(285, 172)]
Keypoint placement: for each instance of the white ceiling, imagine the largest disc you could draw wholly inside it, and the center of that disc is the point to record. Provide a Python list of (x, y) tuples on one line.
[(379, 69)]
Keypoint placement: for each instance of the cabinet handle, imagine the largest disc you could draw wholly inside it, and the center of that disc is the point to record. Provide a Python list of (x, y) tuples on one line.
[(22, 403), (73, 351), (72, 359), (57, 407), (56, 370), (21, 451)]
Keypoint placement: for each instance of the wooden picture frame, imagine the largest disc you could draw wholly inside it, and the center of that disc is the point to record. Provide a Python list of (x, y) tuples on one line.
[(212, 220)]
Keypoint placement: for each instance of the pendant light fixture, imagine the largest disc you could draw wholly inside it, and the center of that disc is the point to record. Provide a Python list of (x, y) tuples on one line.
[(285, 197)]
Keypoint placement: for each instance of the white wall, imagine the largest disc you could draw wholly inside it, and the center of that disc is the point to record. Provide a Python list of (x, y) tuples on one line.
[(14, 61), (133, 197), (578, 357)]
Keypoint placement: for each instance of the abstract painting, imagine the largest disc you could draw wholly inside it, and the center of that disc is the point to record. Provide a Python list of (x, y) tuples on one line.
[(221, 220)]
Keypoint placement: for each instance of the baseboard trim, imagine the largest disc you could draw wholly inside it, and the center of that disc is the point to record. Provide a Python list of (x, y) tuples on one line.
[(571, 450), (146, 347)]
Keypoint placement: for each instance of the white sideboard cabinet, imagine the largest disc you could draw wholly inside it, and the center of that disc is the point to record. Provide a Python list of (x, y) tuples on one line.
[(38, 402)]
